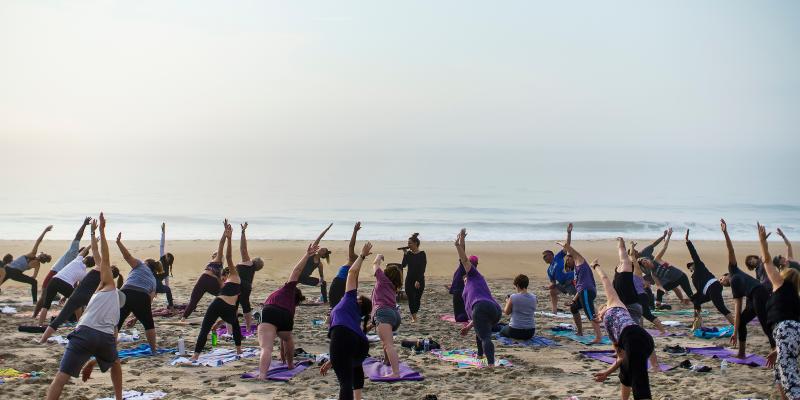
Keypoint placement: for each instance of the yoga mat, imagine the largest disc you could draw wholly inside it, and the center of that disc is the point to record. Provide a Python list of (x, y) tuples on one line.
[(376, 371), (217, 357), (467, 358), (689, 313), (279, 372), (672, 324), (713, 333), (252, 332), (752, 360), (134, 395), (608, 357), (143, 350), (556, 315), (657, 333), (31, 328), (8, 310), (536, 341), (585, 339)]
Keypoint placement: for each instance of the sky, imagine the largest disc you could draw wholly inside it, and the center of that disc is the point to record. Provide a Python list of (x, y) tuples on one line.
[(249, 100)]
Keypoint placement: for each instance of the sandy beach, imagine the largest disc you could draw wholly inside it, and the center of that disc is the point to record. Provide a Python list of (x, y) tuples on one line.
[(547, 373)]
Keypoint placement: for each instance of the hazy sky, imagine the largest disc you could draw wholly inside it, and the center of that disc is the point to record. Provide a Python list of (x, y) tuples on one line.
[(690, 98)]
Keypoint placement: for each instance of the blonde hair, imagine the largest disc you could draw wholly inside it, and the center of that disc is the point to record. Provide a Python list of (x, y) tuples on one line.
[(791, 275)]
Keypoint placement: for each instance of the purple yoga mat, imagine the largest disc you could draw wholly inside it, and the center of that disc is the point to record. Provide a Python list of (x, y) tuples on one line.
[(728, 355), (377, 370), (279, 372), (253, 330), (607, 356)]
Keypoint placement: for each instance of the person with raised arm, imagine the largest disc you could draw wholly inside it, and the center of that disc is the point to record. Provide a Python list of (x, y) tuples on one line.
[(16, 268), (139, 289), (162, 274), (782, 262), (585, 287), (338, 283), (632, 343), (348, 342), (561, 280), (640, 285), (665, 276), (247, 269), (65, 280), (385, 316), (69, 256), (416, 261), (209, 281), (315, 263), (95, 334), (783, 318), (707, 286), (277, 315), (624, 283), (224, 305), (482, 309), (456, 289)]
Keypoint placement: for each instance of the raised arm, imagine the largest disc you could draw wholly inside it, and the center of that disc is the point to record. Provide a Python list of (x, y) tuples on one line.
[(351, 248), (789, 252), (125, 253), (35, 249), (461, 249), (648, 250), (624, 259), (243, 244), (322, 234), (772, 272), (86, 222), (376, 265), (660, 255), (162, 244), (232, 270), (731, 254), (106, 277), (95, 251), (569, 234), (218, 257), (692, 251), (352, 274), (612, 299), (298, 269)]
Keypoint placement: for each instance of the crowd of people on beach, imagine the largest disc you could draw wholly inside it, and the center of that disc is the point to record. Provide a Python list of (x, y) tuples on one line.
[(99, 299)]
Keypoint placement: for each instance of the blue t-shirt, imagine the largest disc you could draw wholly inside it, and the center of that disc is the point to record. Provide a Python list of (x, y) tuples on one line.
[(348, 314), (141, 279), (556, 271), (343, 270), (21, 263)]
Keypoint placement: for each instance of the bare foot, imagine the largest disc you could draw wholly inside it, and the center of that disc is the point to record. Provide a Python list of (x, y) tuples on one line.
[(597, 340), (413, 318), (655, 369)]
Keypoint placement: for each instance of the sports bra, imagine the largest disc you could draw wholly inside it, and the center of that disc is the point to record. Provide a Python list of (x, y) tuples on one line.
[(230, 289)]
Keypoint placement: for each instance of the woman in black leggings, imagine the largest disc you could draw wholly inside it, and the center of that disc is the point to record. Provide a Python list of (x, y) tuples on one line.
[(707, 286), (416, 261), (665, 276), (223, 306), (247, 270), (139, 289), (338, 283), (315, 263), (162, 277), (16, 268), (209, 281), (349, 346)]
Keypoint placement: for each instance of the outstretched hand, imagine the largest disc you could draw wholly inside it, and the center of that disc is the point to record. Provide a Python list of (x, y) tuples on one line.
[(379, 259), (569, 228), (48, 228), (119, 237), (94, 225), (366, 250), (357, 227), (163, 226), (669, 232), (762, 232), (228, 230), (687, 235), (723, 225), (244, 226), (87, 221), (312, 248), (780, 233), (102, 220)]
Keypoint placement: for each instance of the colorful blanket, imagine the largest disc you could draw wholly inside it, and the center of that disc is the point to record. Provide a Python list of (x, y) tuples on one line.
[(536, 341), (134, 395), (714, 333)]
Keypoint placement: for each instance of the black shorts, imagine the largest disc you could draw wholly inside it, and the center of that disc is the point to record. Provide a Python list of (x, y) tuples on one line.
[(565, 287), (56, 286), (85, 343), (278, 316), (638, 346), (585, 302)]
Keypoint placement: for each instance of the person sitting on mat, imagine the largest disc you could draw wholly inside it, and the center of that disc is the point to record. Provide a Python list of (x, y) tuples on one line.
[(521, 306)]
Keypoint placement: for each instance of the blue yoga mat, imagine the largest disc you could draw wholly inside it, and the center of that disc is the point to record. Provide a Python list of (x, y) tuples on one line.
[(585, 339)]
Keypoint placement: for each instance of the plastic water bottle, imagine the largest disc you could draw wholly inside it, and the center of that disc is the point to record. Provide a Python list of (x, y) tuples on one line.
[(426, 345), (723, 366), (181, 347), (213, 339)]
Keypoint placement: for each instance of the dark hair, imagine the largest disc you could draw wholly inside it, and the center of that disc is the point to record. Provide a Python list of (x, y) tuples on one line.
[(155, 266), (548, 252), (114, 271), (7, 259), (690, 264), (395, 275), (88, 261), (44, 258), (414, 238), (366, 310), (327, 255), (751, 257), (298, 296), (521, 281), (225, 271), (166, 261)]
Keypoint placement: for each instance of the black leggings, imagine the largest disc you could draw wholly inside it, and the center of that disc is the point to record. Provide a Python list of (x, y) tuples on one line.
[(205, 284), (414, 295), (644, 301), (244, 297), (459, 310), (519, 334), (80, 298), (756, 307), (312, 281), (713, 294), (651, 298), (485, 315), (56, 286), (337, 291), (218, 309), (348, 351), (17, 275), (162, 288), (140, 304), (638, 346), (683, 282)]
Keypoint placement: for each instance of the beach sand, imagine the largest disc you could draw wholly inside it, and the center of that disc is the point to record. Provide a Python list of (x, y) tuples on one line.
[(547, 373)]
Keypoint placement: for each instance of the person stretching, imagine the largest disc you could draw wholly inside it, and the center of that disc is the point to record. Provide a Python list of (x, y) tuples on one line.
[(482, 310), (665, 276), (69, 255), (521, 306), (338, 283), (625, 285), (416, 261), (641, 293), (782, 262), (64, 281), (632, 343), (456, 289), (277, 317), (561, 281), (783, 319), (95, 334), (349, 346), (139, 289), (209, 282), (385, 316), (315, 262), (585, 288), (247, 270), (707, 286), (162, 276), (223, 306), (16, 268), (744, 286)]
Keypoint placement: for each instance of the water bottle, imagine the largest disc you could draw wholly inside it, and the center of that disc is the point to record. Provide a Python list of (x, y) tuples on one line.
[(426, 345), (213, 339), (723, 366), (181, 347)]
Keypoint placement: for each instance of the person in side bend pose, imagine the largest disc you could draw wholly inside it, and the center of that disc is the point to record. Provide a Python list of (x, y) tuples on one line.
[(561, 280), (416, 261), (95, 334), (456, 289), (69, 256), (64, 281), (209, 281), (744, 286), (782, 262), (783, 319), (224, 305), (632, 343), (16, 268), (315, 263), (385, 316), (139, 289), (640, 284), (624, 283), (349, 346), (247, 270), (162, 277), (482, 309), (585, 287), (338, 283), (665, 276), (707, 286), (277, 316)]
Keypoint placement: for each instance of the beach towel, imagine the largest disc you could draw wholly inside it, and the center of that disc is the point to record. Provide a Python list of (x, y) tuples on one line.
[(467, 358), (536, 341), (672, 324), (8, 310), (134, 395), (688, 313), (562, 315), (58, 339), (279, 372), (376, 371), (128, 337), (713, 333), (585, 339), (608, 357), (728, 355), (143, 350), (657, 333), (11, 374), (218, 357), (223, 331)]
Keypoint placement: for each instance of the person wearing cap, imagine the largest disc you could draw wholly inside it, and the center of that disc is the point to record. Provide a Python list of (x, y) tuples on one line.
[(561, 281), (95, 334)]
